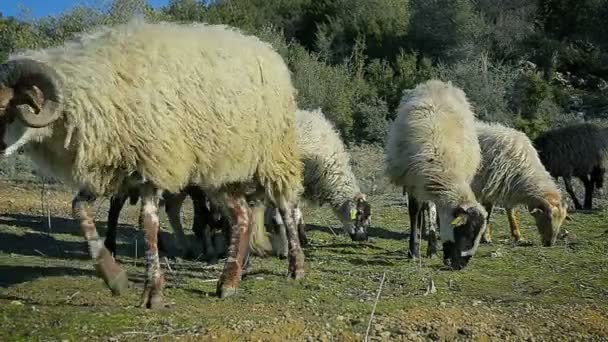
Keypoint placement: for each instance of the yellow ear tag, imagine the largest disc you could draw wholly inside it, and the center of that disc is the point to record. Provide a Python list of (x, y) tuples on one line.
[(353, 214), (457, 221)]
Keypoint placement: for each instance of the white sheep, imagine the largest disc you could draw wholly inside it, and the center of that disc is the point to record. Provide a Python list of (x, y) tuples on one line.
[(162, 106), (432, 150), (328, 179), (512, 174)]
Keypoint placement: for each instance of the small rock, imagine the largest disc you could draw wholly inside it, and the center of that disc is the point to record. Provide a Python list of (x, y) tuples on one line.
[(340, 318), (16, 302), (385, 334), (477, 302), (434, 336), (496, 254)]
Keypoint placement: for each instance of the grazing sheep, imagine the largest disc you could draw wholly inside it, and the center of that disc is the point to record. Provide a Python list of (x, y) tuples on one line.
[(512, 174), (432, 150), (208, 222), (328, 179), (159, 106), (579, 150)]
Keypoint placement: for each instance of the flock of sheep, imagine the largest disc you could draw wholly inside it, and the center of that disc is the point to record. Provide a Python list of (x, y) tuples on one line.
[(159, 112)]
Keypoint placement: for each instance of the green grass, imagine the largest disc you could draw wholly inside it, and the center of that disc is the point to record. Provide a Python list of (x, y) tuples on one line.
[(49, 290)]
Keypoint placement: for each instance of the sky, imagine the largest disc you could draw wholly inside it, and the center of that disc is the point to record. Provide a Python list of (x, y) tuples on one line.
[(41, 8)]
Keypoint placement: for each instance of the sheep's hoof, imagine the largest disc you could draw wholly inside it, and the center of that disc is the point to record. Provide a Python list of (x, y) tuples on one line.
[(152, 301), (119, 284), (413, 256), (224, 292), (115, 277), (297, 275)]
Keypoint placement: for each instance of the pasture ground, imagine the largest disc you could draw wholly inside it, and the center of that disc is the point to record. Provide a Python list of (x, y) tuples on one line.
[(48, 289)]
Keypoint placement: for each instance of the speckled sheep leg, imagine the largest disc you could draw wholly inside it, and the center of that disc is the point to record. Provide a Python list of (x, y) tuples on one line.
[(152, 296), (296, 255), (114, 276), (239, 246), (433, 226), (299, 218)]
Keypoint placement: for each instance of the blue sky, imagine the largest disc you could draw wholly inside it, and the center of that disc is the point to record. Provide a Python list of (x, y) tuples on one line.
[(41, 8)]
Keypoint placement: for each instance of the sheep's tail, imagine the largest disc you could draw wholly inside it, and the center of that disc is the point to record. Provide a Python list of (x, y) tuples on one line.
[(259, 243)]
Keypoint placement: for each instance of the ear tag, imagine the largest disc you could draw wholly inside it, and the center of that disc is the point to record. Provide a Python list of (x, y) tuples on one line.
[(353, 214), (457, 221)]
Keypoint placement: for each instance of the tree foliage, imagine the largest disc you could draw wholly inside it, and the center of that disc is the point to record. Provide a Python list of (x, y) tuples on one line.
[(529, 64)]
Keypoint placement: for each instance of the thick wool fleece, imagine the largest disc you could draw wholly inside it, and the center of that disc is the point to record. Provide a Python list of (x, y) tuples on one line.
[(178, 104)]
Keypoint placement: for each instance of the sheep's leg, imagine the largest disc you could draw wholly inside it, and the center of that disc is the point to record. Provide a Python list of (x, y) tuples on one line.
[(487, 235), (117, 202), (588, 183), (282, 249), (515, 232), (296, 255), (414, 211), (173, 207), (568, 183), (239, 246), (112, 274), (297, 213), (202, 224), (424, 220), (433, 226), (152, 296)]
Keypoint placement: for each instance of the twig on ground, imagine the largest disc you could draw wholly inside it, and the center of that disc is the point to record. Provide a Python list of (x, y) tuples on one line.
[(70, 297), (39, 252), (209, 280), (329, 226), (371, 316), (168, 266)]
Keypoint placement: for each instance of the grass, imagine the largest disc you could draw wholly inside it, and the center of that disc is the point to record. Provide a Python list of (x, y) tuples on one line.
[(49, 290)]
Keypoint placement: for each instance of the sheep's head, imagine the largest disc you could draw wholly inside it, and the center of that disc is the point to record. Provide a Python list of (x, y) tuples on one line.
[(467, 225), (30, 99), (356, 215), (549, 215)]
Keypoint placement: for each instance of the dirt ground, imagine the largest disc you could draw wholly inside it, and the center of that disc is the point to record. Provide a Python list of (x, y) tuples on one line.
[(49, 291)]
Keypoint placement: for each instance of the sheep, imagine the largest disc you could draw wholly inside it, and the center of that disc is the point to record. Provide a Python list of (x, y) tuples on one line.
[(208, 221), (512, 174), (159, 106), (579, 150), (432, 150), (328, 179)]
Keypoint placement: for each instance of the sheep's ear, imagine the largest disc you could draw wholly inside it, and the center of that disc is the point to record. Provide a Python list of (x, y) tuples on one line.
[(460, 219)]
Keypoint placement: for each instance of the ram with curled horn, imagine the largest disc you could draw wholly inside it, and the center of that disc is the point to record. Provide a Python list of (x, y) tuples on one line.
[(160, 107)]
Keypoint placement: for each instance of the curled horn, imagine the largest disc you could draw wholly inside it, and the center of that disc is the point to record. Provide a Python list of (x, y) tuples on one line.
[(44, 77)]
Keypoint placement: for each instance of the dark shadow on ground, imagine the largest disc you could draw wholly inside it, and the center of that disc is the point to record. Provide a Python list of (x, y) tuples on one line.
[(373, 232), (59, 225), (12, 275), (42, 245), (383, 233)]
